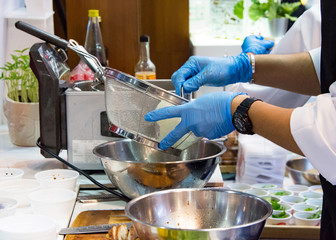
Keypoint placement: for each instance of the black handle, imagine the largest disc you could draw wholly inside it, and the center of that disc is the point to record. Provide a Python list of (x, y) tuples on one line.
[(48, 37)]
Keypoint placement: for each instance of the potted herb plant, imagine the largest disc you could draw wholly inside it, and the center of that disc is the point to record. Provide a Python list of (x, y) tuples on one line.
[(276, 12), (21, 104)]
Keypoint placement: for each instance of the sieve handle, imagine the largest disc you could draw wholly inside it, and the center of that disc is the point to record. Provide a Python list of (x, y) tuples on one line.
[(184, 94), (48, 37)]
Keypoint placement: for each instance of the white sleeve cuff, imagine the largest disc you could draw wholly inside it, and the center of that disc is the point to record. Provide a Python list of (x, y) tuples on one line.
[(315, 54)]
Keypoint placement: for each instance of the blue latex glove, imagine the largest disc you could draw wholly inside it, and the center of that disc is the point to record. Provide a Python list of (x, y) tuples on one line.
[(208, 116), (211, 71), (257, 45)]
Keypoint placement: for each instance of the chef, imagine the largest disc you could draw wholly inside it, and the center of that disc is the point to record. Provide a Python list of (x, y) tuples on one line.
[(309, 130), (304, 35)]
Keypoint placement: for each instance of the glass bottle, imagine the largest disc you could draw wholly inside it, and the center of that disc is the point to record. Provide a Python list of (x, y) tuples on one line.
[(145, 68), (94, 40)]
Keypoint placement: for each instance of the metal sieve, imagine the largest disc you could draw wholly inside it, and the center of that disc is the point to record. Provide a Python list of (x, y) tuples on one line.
[(127, 98)]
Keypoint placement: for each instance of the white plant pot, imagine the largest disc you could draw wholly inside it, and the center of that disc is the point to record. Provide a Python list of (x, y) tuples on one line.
[(23, 122), (278, 27)]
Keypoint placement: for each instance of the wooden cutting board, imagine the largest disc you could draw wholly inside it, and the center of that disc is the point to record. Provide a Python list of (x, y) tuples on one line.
[(96, 217)]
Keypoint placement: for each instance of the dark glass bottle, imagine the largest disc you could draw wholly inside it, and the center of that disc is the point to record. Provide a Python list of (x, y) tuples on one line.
[(94, 40), (145, 68)]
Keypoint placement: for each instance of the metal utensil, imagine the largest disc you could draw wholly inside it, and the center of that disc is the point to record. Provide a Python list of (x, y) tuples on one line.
[(298, 172), (207, 213), (127, 98), (136, 169), (91, 229)]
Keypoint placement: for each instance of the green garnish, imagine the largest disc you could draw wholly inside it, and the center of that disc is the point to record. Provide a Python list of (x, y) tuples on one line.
[(283, 214), (309, 209), (279, 193), (276, 205), (314, 216)]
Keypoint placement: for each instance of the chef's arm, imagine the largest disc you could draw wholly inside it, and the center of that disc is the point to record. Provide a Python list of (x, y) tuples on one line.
[(293, 72), (271, 122)]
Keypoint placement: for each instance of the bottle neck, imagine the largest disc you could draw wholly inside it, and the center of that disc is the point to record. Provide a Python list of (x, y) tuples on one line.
[(144, 51)]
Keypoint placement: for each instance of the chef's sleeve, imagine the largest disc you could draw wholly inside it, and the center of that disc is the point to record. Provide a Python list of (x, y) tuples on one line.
[(313, 127)]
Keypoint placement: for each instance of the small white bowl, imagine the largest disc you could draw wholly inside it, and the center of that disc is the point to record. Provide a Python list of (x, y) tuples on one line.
[(309, 194), (264, 186), (28, 227), (303, 207), (280, 192), (316, 188), (315, 202), (239, 186), (19, 189), (302, 218), (291, 200), (10, 173), (279, 221), (8, 206), (58, 178), (256, 192), (297, 188), (55, 202)]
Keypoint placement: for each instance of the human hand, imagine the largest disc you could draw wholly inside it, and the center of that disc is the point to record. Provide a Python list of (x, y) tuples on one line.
[(208, 116), (211, 71), (257, 45)]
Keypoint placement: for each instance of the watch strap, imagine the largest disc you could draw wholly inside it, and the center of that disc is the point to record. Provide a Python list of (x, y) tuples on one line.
[(242, 110)]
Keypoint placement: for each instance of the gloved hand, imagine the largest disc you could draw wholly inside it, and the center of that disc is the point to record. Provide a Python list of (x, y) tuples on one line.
[(211, 71), (257, 45), (208, 116)]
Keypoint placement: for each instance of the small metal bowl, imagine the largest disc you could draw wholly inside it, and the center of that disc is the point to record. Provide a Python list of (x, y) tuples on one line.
[(298, 170), (201, 213)]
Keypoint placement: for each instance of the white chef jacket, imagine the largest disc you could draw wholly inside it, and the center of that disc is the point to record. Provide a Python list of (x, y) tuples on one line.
[(303, 36), (313, 127)]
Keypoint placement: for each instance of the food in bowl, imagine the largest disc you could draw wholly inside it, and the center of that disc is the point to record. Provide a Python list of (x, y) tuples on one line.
[(264, 186), (280, 192), (282, 218), (303, 207), (307, 219)]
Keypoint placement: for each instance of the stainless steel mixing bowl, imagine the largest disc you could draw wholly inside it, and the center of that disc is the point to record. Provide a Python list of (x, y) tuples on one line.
[(136, 169), (298, 171), (205, 213)]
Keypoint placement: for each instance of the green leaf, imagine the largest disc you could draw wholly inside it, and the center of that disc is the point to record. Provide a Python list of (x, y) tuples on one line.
[(238, 9), (255, 12)]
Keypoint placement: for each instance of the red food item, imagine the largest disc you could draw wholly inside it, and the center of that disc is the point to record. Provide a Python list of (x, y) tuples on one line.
[(81, 72), (282, 223)]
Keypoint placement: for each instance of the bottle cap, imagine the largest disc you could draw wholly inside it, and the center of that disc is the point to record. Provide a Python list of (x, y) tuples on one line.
[(93, 13), (144, 38)]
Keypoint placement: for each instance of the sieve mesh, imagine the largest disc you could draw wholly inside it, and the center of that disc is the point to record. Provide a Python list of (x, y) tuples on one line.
[(127, 106)]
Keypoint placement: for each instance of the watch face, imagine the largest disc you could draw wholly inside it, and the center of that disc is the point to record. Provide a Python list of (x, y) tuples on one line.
[(242, 123)]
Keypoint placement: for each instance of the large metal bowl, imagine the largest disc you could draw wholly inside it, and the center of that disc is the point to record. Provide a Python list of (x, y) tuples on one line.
[(298, 171), (136, 169), (207, 213)]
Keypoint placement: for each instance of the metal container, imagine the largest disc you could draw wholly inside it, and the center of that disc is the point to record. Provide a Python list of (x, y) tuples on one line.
[(298, 172), (136, 169), (208, 213)]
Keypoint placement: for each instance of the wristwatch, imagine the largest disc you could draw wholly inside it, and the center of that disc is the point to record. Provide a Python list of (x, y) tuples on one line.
[(240, 118)]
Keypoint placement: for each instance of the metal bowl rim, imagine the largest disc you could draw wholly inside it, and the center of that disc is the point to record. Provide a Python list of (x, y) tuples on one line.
[(267, 204), (165, 163)]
